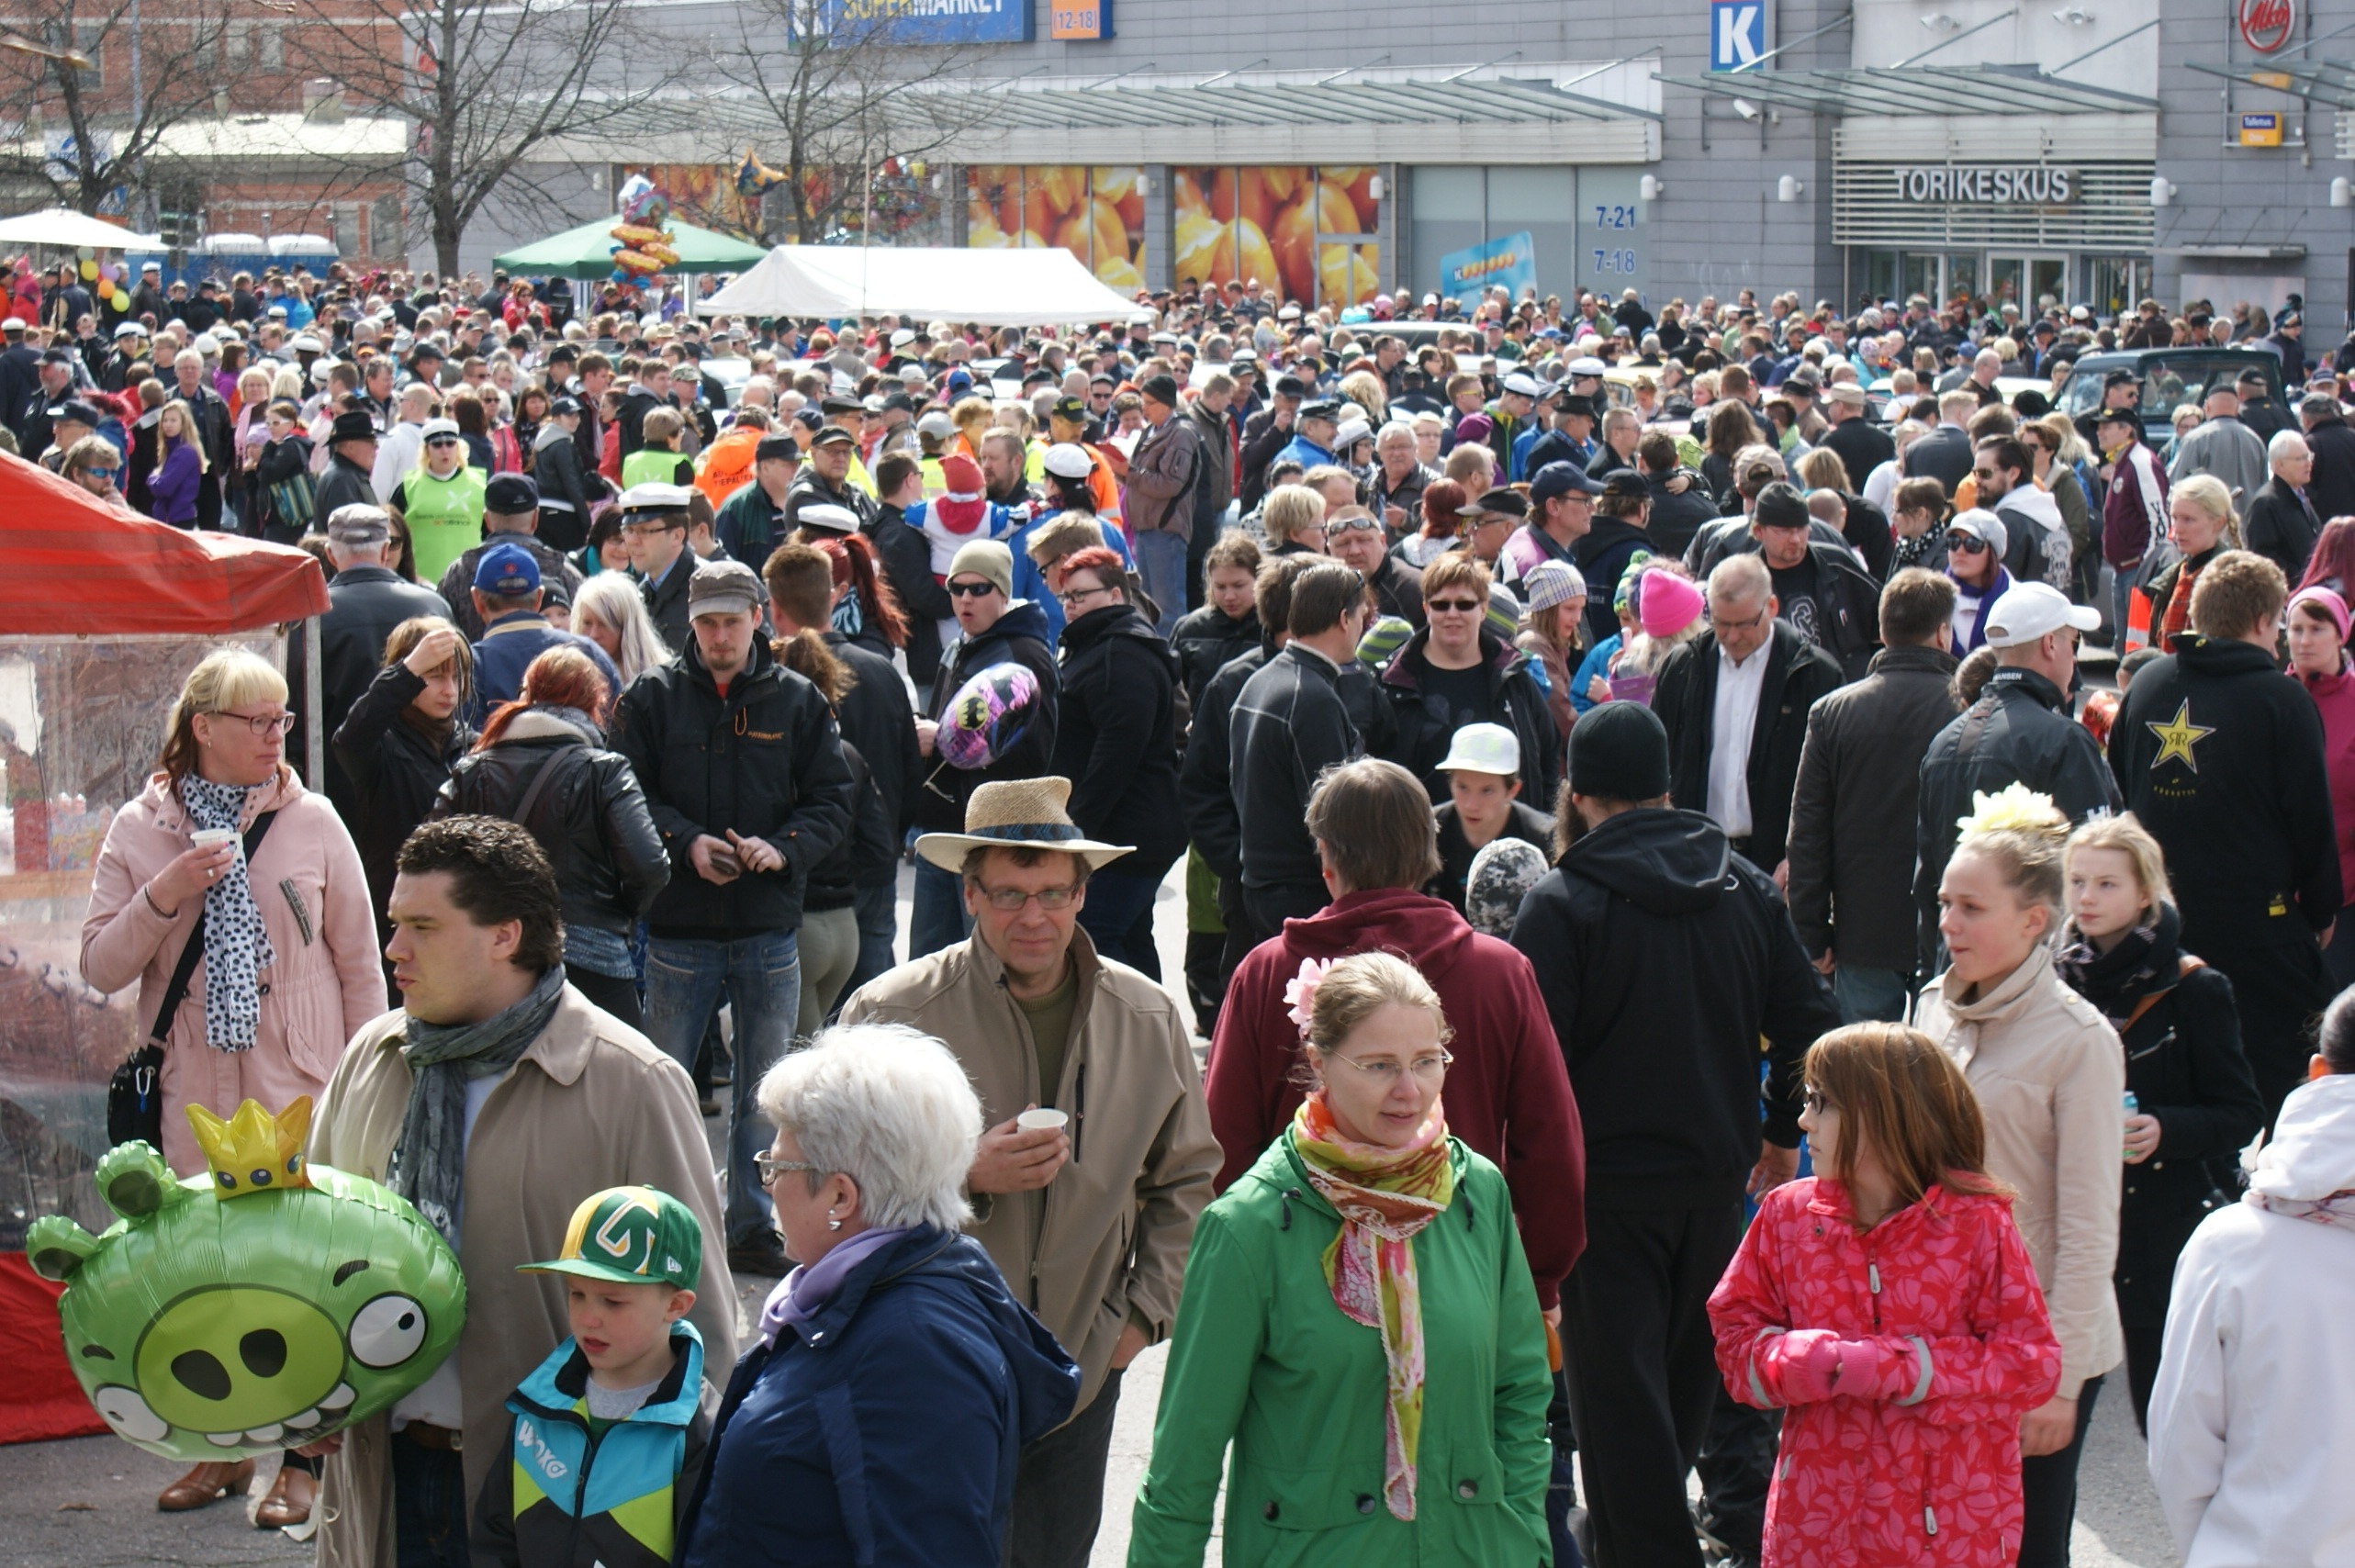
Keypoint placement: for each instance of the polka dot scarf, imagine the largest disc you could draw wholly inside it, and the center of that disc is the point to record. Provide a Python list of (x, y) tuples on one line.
[(237, 944)]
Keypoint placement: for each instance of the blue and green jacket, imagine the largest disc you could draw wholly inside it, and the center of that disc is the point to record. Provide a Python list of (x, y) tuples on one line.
[(576, 1491)]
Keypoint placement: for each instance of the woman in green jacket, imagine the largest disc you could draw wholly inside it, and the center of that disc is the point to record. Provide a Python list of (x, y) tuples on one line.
[(1358, 1321)]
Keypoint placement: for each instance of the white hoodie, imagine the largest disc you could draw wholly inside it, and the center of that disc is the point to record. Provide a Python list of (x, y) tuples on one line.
[(2251, 1444), (2052, 531)]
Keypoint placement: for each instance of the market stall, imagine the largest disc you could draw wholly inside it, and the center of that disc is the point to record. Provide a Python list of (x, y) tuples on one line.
[(102, 615), (1032, 287)]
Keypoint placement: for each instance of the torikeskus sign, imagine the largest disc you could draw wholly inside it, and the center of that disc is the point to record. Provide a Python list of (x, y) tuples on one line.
[(930, 22)]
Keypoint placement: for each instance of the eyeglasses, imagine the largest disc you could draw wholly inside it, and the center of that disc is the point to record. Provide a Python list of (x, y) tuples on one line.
[(1966, 544), (441, 441), (971, 591), (1722, 627), (263, 725), (1080, 596), (1453, 606), (1384, 1071), (1009, 901), (768, 1166), (106, 474), (1817, 1100)]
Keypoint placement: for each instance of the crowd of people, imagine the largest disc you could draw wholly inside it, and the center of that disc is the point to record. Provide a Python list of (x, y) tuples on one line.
[(1592, 791)]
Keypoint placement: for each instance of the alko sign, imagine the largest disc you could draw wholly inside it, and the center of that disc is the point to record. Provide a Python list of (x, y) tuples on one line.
[(2266, 25)]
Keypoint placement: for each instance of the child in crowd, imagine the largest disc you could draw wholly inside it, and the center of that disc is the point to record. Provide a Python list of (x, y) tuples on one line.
[(1484, 775), (610, 1431), (1889, 1302)]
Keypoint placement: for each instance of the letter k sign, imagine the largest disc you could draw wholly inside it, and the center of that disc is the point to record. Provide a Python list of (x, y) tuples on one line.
[(1737, 33)]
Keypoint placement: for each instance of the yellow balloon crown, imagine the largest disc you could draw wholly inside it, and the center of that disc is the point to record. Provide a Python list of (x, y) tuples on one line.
[(253, 1151)]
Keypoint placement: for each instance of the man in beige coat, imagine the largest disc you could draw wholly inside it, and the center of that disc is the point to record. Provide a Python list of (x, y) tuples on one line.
[(553, 1100), (1089, 1220)]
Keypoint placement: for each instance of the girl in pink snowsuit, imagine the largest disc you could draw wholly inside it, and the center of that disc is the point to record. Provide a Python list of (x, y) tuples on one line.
[(1889, 1306)]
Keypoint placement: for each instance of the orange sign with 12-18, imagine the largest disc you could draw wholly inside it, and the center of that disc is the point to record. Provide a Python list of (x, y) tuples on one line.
[(1079, 18)]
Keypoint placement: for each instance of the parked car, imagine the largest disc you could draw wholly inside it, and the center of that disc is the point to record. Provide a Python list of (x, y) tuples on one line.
[(2170, 377)]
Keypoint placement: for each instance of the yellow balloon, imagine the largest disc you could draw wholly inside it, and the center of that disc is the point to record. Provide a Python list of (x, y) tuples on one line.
[(121, 300), (89, 269)]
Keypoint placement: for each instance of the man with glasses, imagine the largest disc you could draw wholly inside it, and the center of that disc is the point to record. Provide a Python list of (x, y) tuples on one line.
[(654, 529), (1736, 701), (1353, 536), (95, 463), (1041, 1025), (744, 775), (2019, 731), (995, 629), (2038, 548)]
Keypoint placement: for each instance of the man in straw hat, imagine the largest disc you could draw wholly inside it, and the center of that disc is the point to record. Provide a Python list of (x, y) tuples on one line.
[(1078, 1061)]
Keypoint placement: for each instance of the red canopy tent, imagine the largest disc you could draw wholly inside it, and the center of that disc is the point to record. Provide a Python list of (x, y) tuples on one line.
[(73, 566)]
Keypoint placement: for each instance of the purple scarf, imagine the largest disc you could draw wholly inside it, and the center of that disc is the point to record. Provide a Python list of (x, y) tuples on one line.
[(803, 1294)]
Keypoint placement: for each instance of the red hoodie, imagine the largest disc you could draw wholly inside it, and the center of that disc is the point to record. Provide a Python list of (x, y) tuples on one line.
[(1507, 1096)]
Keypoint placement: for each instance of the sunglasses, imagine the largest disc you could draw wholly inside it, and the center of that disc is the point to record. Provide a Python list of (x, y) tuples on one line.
[(1353, 525), (106, 474), (971, 591), (1453, 606), (1967, 544), (443, 441)]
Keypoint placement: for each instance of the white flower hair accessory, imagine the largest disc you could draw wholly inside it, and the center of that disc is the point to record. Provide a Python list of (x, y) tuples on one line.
[(1300, 992)]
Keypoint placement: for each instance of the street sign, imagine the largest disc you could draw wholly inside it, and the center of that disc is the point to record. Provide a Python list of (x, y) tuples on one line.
[(1079, 19), (1737, 33)]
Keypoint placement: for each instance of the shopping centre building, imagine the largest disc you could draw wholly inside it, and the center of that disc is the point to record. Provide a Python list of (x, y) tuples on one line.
[(2092, 152)]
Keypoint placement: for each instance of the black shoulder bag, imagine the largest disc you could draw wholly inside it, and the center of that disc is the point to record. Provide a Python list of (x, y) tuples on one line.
[(134, 1096)]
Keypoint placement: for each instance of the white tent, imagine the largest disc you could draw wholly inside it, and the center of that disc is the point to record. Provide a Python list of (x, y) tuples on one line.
[(68, 230), (997, 288)]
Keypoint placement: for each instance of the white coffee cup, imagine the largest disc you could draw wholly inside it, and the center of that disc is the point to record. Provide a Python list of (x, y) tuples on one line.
[(1046, 1118), (213, 837)]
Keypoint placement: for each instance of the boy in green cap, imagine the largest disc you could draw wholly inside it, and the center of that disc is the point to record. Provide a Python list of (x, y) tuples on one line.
[(610, 1431)]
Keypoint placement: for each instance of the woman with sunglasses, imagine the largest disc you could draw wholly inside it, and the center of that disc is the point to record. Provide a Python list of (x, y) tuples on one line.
[(290, 970), (1458, 670), (1975, 541)]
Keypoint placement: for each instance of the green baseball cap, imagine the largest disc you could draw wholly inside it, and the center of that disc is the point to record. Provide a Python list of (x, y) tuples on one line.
[(631, 1235)]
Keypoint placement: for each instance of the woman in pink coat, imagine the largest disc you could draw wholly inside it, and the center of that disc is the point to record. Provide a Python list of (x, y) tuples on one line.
[(1890, 1305), (289, 971)]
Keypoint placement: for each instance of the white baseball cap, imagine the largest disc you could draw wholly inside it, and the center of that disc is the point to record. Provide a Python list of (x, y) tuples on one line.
[(2030, 611), (1483, 748)]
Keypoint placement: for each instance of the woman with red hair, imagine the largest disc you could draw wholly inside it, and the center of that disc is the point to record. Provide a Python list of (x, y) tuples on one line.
[(1444, 503), (2332, 564), (870, 613), (542, 764)]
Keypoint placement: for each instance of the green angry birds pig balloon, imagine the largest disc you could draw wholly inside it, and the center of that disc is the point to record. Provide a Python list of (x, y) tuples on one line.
[(263, 1306)]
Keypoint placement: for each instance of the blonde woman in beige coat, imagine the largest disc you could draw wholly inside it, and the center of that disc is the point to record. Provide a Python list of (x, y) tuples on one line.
[(2050, 1077)]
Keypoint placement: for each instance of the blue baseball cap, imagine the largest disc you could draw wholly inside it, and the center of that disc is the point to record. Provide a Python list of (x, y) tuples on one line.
[(507, 570)]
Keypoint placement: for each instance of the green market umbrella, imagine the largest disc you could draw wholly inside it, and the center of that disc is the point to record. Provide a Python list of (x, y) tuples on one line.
[(587, 252)]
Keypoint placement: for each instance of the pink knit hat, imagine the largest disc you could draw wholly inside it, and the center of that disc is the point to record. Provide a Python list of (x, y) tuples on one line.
[(2333, 608), (1666, 603)]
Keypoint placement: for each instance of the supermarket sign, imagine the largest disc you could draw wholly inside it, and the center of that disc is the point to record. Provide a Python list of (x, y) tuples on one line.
[(922, 23)]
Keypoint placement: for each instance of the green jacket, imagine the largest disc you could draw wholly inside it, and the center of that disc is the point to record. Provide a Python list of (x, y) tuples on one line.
[(1263, 1357)]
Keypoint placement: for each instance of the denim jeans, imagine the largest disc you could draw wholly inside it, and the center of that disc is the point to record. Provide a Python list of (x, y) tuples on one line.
[(1118, 918), (1161, 561), (939, 919), (761, 977), (878, 927), (1869, 995), (430, 1512)]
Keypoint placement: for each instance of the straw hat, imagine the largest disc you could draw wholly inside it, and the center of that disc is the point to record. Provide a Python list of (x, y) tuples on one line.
[(1032, 812)]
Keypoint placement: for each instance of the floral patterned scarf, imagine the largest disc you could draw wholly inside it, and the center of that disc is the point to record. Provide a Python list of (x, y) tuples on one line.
[(1384, 1196), (2338, 1209)]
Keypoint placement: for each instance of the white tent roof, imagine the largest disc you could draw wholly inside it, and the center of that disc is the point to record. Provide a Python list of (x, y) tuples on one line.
[(998, 289), (68, 230)]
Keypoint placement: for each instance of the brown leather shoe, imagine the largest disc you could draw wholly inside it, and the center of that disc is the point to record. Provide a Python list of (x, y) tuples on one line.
[(207, 1484), (289, 1499)]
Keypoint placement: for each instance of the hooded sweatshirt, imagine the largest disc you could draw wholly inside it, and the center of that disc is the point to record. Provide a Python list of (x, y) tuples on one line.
[(2037, 537), (2249, 1444), (1508, 1095), (1662, 957)]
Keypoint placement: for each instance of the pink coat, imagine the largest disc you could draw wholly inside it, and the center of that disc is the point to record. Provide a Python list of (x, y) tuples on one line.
[(322, 987), (2334, 695), (1922, 1464)]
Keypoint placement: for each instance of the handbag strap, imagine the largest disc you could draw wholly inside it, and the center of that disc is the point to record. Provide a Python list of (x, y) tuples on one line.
[(2185, 963), (177, 992), (540, 782)]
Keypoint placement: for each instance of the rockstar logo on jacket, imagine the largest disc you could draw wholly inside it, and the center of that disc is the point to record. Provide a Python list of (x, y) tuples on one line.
[(2177, 737)]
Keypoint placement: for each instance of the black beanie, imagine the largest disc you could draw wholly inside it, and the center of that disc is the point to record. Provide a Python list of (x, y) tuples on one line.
[(1619, 751), (1780, 506)]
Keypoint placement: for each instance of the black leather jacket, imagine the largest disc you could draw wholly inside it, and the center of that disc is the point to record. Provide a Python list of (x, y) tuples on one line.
[(591, 819)]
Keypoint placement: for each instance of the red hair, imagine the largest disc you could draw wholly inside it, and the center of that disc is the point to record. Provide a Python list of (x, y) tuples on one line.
[(2334, 557), (561, 678), (1442, 503), (854, 563), (1101, 559)]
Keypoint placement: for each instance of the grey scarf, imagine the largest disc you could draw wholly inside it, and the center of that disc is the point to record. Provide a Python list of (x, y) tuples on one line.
[(429, 1164), (237, 944)]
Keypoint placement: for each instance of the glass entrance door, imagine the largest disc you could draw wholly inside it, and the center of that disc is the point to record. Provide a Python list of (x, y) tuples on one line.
[(2027, 281)]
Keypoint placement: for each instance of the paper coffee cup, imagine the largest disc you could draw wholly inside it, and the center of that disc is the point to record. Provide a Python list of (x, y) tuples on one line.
[(1044, 1119)]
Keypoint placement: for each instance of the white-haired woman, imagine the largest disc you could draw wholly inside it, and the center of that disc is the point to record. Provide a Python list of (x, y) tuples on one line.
[(609, 611), (878, 1413)]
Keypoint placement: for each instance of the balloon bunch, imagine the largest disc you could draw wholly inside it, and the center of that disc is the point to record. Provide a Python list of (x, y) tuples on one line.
[(646, 243)]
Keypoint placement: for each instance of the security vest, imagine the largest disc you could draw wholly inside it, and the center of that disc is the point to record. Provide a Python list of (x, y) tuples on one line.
[(650, 466), (445, 517)]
